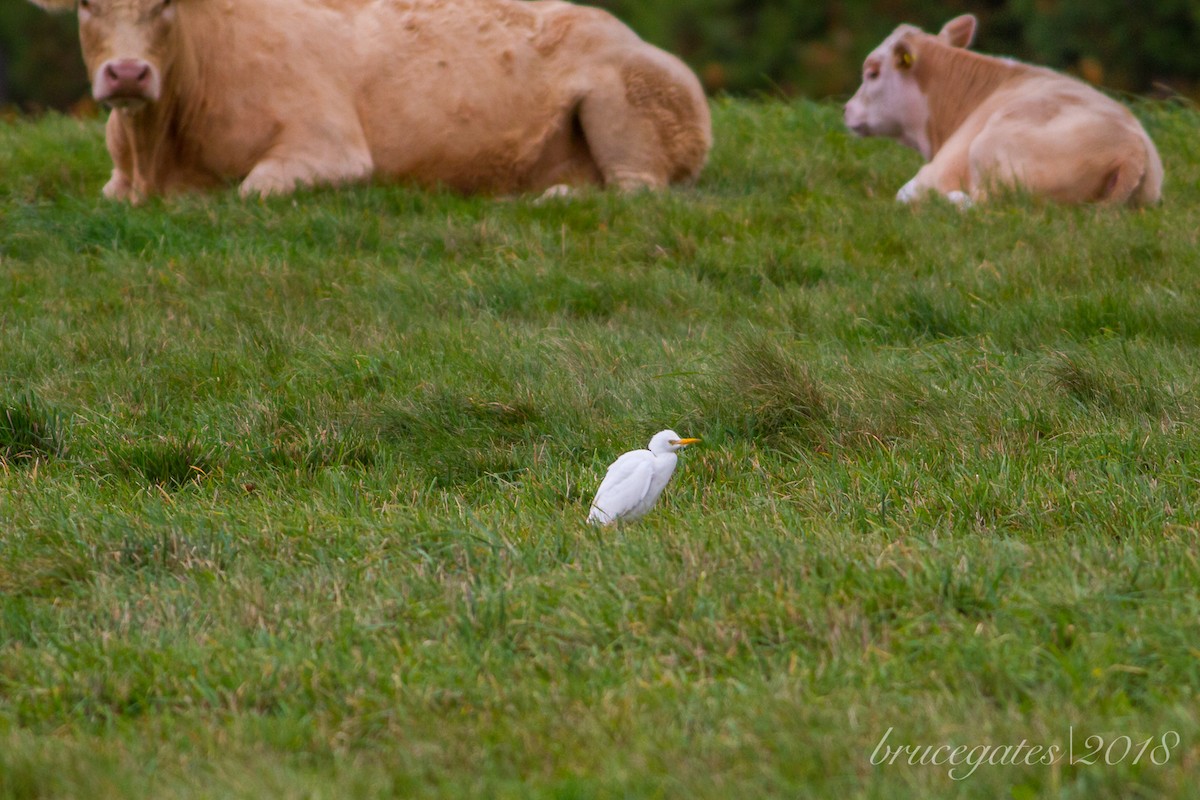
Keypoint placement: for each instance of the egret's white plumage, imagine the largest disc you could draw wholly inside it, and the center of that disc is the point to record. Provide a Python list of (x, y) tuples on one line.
[(636, 479)]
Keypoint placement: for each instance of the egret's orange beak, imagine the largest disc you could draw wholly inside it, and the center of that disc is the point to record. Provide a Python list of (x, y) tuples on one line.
[(684, 441)]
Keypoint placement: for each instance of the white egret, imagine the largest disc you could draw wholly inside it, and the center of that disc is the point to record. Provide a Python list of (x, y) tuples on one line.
[(636, 479)]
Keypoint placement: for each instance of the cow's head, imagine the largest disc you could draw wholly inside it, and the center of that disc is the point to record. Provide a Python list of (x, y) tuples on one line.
[(890, 101), (126, 44)]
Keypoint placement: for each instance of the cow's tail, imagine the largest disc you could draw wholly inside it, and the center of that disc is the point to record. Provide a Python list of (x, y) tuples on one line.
[(1136, 181)]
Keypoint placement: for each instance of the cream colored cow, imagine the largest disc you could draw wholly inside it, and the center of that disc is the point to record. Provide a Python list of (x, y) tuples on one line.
[(479, 95), (985, 123)]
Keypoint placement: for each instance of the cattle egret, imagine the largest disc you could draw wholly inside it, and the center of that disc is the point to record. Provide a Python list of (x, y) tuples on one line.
[(636, 479)]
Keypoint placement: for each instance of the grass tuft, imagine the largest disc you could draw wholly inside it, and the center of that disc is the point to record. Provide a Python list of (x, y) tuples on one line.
[(168, 462), (313, 450), (30, 431), (776, 393), (1090, 384)]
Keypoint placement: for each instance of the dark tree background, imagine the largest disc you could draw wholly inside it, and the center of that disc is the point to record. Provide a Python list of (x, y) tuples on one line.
[(790, 47), (816, 48), (40, 64)]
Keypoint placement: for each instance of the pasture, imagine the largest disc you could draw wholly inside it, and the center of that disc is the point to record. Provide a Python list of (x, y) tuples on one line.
[(292, 492)]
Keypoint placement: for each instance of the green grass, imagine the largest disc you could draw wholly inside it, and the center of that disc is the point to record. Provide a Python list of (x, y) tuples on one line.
[(292, 492)]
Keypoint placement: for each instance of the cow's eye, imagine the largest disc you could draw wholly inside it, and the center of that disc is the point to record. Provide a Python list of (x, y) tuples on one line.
[(84, 5)]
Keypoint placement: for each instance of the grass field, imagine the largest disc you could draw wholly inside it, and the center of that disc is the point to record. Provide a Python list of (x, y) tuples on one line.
[(292, 492)]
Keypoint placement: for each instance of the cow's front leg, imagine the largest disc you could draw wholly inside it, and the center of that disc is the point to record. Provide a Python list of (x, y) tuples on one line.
[(936, 177), (116, 139), (120, 187), (914, 191), (924, 182), (273, 177), (277, 176), (282, 175)]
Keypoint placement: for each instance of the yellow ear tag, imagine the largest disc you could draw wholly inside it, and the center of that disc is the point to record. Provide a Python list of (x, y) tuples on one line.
[(906, 59)]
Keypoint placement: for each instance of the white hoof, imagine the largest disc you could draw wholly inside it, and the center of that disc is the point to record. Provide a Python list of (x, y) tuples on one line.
[(960, 199), (556, 192), (120, 187), (908, 192)]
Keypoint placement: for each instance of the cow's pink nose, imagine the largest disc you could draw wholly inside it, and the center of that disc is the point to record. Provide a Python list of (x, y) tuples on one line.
[(126, 82), (127, 73)]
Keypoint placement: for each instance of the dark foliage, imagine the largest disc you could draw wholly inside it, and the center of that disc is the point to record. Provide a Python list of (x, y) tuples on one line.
[(793, 47)]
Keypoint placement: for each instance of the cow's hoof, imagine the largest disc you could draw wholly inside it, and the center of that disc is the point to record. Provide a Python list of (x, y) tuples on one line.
[(261, 188), (960, 199), (556, 192), (119, 188), (908, 192)]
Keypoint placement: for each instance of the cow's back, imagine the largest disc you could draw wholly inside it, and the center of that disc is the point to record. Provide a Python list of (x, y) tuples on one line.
[(477, 94), (1092, 147)]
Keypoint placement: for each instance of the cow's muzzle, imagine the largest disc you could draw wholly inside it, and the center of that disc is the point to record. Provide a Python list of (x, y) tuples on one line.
[(853, 118), (126, 82)]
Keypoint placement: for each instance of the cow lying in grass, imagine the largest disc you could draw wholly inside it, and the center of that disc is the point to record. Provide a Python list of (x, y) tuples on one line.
[(478, 95), (986, 123)]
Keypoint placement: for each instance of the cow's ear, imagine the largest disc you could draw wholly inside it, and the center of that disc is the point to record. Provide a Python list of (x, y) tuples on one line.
[(903, 56), (55, 5), (959, 31)]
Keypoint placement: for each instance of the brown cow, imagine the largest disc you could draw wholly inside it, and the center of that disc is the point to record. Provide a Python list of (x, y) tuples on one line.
[(478, 95), (983, 122)]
